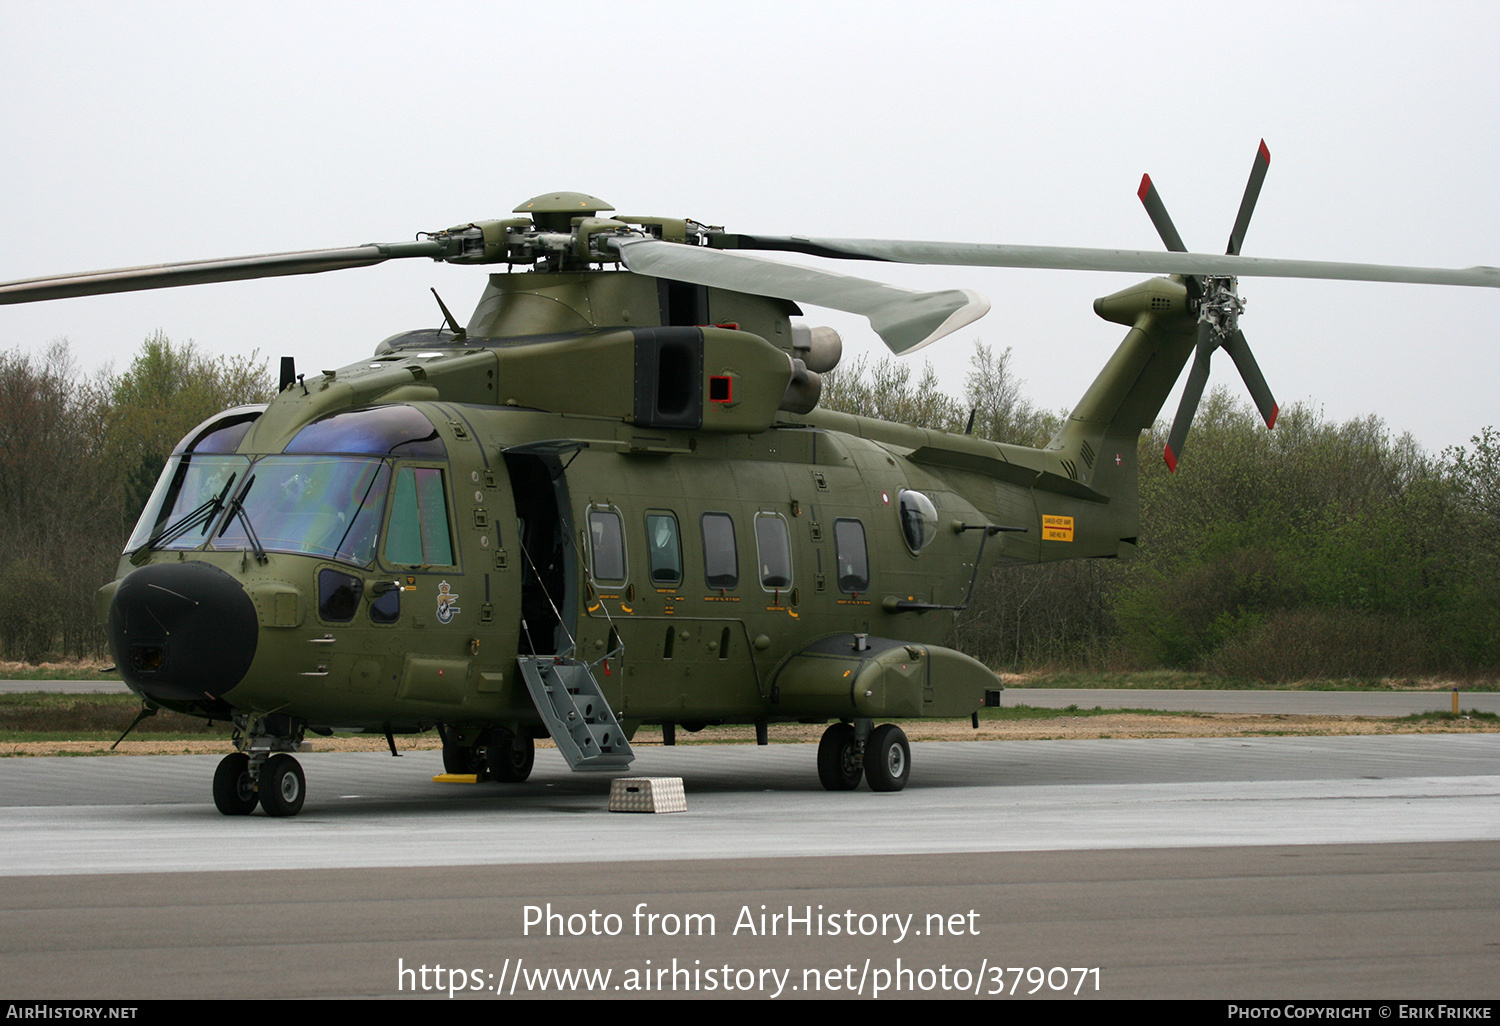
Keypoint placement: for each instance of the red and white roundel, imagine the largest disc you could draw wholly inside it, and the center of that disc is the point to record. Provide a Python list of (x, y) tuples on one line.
[(885, 498)]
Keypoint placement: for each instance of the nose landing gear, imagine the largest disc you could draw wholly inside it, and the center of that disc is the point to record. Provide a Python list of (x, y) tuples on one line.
[(261, 772)]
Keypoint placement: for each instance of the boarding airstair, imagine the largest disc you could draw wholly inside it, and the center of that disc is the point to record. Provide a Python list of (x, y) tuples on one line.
[(577, 716)]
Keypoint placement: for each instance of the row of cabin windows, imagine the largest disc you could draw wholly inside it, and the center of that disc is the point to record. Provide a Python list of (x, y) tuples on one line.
[(721, 560)]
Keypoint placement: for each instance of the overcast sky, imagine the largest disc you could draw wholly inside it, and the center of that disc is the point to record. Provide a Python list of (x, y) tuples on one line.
[(150, 132)]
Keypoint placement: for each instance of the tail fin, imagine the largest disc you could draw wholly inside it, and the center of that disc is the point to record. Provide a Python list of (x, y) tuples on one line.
[(1100, 436)]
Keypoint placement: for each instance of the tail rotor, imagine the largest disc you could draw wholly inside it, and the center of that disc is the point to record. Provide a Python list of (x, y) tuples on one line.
[(1219, 306)]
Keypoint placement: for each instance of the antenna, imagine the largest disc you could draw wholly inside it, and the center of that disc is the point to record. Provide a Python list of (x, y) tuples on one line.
[(458, 332)]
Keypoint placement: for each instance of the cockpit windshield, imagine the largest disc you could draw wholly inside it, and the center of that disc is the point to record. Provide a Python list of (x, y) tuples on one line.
[(321, 505), (187, 501), (325, 495)]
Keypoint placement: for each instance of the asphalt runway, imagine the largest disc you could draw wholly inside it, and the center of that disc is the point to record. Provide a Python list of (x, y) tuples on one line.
[(1361, 867)]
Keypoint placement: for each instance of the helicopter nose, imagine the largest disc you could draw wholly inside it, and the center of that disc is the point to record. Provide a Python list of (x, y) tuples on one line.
[(182, 631)]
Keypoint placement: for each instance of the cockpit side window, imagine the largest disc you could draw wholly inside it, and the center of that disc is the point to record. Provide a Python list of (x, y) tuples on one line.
[(418, 534)]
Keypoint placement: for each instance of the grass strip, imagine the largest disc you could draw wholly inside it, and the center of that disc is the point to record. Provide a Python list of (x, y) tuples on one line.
[(1183, 680), (41, 716)]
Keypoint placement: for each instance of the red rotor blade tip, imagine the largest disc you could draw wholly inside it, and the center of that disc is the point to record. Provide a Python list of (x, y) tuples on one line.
[(1171, 459), (1265, 154), (1145, 187)]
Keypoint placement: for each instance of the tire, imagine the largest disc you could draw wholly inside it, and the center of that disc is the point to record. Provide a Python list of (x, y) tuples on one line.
[(234, 791), (282, 786), (838, 758), (510, 759), (887, 758), (459, 758)]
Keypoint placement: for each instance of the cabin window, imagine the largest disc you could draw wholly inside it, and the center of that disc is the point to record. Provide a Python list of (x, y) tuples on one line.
[(918, 520), (775, 551), (418, 533), (664, 548), (607, 546), (721, 562), (852, 556)]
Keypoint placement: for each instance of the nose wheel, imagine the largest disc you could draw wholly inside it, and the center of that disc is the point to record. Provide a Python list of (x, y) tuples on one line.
[(234, 787), (282, 786)]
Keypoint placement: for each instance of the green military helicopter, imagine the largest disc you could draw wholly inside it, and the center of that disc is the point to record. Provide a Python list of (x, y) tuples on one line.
[(611, 499)]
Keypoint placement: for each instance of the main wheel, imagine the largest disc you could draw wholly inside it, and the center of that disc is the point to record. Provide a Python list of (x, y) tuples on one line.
[(459, 758), (838, 758), (234, 791), (887, 758), (511, 757), (282, 786)]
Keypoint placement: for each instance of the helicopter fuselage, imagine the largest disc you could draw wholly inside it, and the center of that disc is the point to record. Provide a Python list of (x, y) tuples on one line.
[(655, 520)]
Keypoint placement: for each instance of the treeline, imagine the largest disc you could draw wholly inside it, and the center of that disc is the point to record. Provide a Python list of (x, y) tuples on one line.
[(1317, 550), (79, 456)]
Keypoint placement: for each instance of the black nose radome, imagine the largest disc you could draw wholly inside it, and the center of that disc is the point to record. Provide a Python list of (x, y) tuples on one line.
[(182, 631)]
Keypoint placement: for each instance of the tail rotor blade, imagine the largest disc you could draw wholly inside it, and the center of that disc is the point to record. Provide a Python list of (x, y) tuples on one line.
[(1239, 351), (1247, 204), (1191, 393), (1158, 213)]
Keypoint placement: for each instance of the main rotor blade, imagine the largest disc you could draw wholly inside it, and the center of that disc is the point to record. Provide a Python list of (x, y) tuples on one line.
[(904, 320), (1192, 392), (195, 272), (1158, 211), (1247, 203), (1239, 351), (977, 254)]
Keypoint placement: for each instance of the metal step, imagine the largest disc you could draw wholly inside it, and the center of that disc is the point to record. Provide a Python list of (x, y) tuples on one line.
[(576, 714)]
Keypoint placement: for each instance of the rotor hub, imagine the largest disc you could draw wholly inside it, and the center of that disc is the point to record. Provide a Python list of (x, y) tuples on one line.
[(1221, 305), (554, 211)]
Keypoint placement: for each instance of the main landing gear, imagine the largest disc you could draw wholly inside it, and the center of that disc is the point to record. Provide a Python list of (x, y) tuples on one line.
[(505, 756), (851, 751), (261, 772)]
